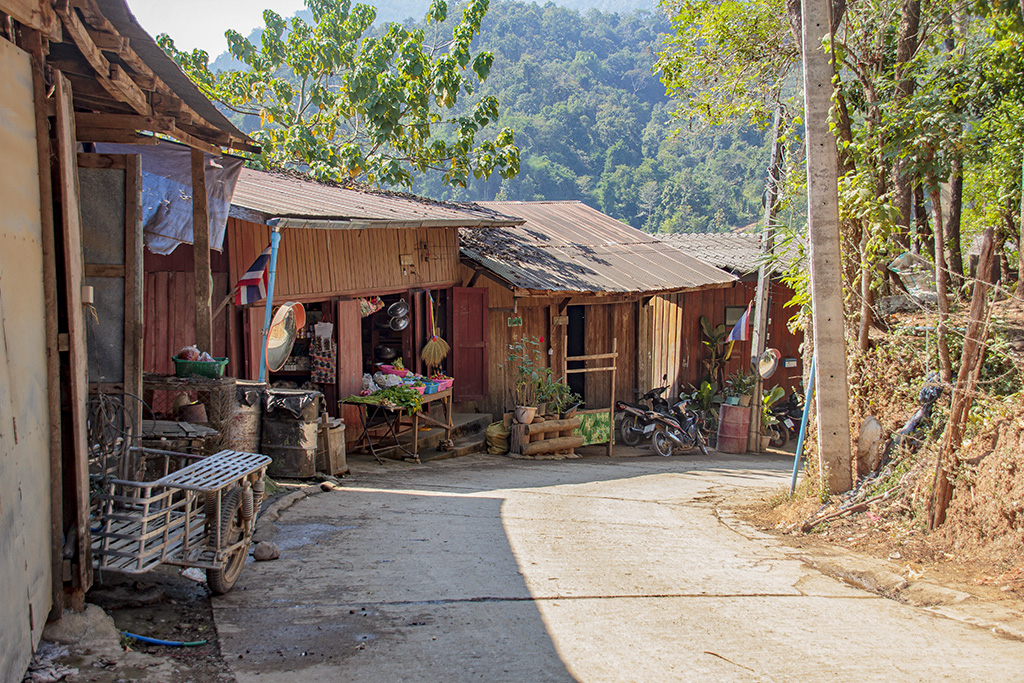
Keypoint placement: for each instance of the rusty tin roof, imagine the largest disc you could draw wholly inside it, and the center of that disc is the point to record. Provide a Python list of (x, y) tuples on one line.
[(566, 246), (737, 252), (291, 201)]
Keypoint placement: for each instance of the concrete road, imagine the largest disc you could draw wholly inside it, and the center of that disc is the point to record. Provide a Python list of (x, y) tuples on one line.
[(621, 569)]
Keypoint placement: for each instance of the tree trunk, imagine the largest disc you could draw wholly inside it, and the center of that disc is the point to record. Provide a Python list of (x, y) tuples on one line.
[(906, 47), (924, 240), (941, 282), (866, 295), (952, 227), (1020, 227), (963, 392)]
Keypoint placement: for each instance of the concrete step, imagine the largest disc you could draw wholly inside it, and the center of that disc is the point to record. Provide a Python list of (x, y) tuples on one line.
[(464, 445), (467, 433)]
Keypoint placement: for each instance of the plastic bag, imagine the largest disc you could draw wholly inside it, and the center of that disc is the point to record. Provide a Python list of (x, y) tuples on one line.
[(497, 438)]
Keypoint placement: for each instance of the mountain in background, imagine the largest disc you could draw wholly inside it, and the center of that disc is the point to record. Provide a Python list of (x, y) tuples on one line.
[(593, 123)]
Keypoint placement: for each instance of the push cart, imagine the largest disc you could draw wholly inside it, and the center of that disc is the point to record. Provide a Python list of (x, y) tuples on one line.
[(195, 512)]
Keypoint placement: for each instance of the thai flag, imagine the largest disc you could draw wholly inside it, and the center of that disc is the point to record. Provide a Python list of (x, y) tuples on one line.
[(741, 330), (252, 286)]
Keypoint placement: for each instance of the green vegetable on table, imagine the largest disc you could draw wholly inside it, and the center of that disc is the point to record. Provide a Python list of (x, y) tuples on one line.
[(392, 397)]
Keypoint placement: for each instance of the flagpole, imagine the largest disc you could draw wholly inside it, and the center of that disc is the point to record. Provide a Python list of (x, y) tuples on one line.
[(275, 240)]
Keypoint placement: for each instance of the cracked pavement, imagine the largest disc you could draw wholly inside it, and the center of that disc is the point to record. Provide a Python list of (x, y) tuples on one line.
[(621, 569)]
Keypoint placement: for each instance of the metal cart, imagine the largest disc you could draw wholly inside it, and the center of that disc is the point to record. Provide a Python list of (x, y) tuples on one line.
[(200, 514)]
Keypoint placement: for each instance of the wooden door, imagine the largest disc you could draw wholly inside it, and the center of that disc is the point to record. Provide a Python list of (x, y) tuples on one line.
[(348, 328), (470, 317)]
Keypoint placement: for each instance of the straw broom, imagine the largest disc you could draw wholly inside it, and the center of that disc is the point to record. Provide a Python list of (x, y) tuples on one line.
[(436, 349)]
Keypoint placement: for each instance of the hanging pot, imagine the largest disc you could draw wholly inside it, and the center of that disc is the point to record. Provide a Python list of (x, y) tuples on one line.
[(386, 353), (399, 324), (398, 309)]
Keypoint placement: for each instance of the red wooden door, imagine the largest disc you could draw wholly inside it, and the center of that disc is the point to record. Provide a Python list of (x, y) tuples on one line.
[(469, 343), (348, 328)]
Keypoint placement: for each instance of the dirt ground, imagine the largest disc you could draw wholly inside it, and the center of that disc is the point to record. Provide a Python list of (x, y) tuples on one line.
[(164, 605), (980, 547)]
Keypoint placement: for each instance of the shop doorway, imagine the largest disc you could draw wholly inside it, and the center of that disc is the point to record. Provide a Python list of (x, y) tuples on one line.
[(576, 346)]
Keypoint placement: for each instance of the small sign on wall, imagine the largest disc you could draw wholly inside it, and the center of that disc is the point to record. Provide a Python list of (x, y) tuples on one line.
[(515, 321), (560, 320)]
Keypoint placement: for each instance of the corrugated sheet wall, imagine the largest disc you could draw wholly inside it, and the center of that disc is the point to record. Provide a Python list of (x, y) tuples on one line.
[(319, 263)]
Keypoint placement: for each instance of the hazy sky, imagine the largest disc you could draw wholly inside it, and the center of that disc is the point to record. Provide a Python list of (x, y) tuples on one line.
[(201, 23)]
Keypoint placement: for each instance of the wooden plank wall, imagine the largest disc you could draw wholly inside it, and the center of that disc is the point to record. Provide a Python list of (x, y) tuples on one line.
[(169, 314), (671, 325), (315, 264), (604, 321)]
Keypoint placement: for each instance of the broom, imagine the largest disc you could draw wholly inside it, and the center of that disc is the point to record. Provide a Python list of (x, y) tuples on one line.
[(436, 349)]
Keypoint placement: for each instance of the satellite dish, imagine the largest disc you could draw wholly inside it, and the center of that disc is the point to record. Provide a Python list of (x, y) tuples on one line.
[(768, 363), (288, 319)]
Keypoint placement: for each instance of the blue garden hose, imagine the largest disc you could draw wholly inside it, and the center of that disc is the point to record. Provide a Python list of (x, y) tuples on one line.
[(157, 641)]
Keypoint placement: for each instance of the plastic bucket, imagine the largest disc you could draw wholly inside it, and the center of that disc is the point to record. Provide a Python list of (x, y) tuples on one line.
[(733, 428)]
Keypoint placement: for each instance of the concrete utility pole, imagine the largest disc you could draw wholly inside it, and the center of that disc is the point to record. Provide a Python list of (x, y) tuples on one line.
[(764, 272), (823, 236)]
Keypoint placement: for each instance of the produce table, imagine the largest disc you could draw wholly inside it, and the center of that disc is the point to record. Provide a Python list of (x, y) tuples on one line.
[(398, 423)]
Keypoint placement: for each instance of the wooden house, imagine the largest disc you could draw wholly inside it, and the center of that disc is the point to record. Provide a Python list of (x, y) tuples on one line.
[(740, 254), (580, 282), (345, 251), (74, 74)]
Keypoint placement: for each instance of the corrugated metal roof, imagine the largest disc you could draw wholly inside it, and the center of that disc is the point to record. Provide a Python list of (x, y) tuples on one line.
[(570, 247), (736, 252), (300, 202)]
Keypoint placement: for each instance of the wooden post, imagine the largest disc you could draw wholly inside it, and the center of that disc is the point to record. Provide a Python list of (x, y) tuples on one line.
[(825, 264), (611, 403), (201, 250), (76, 459), (133, 282), (760, 328)]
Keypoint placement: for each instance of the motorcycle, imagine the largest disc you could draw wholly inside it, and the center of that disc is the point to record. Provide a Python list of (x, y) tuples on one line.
[(788, 416), (637, 424), (681, 429)]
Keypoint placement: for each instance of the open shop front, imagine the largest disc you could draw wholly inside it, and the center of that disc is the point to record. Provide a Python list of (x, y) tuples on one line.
[(355, 347)]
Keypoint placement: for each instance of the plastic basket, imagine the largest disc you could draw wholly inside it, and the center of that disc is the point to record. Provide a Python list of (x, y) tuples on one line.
[(430, 387), (198, 368)]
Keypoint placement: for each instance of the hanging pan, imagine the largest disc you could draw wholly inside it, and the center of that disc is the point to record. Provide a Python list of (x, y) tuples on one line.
[(398, 309), (399, 324)]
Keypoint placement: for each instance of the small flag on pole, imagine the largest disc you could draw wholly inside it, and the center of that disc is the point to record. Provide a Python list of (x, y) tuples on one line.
[(741, 330), (252, 286)]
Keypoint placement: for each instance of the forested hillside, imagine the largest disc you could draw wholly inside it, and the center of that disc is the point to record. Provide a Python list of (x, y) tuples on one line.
[(592, 120), (592, 123)]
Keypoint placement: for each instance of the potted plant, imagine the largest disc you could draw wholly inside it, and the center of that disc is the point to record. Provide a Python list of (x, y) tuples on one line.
[(524, 360), (524, 398), (562, 399), (703, 399), (768, 399), (740, 386)]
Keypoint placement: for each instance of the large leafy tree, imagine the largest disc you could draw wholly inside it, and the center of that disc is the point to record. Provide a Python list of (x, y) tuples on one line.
[(339, 100)]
